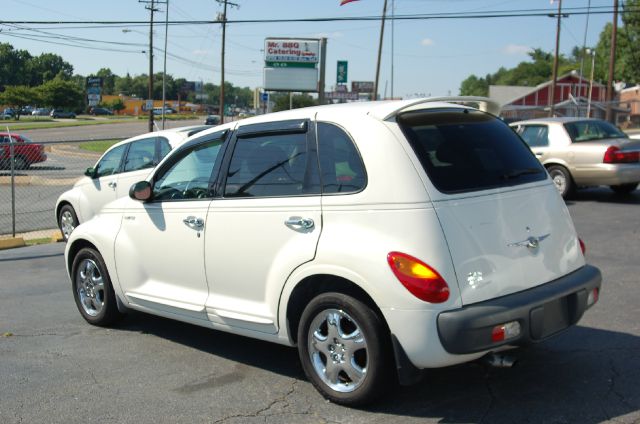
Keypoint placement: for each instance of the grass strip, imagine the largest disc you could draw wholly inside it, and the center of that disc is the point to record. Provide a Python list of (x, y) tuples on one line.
[(98, 146)]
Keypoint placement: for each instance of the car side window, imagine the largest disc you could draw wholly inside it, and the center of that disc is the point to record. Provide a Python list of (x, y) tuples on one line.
[(341, 167), (190, 176), (110, 162), (271, 165), (165, 148), (535, 135), (141, 155)]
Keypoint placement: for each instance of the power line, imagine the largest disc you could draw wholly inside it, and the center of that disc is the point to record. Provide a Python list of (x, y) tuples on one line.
[(516, 13)]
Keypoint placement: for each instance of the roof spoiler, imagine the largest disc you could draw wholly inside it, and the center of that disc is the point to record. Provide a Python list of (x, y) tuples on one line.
[(484, 104)]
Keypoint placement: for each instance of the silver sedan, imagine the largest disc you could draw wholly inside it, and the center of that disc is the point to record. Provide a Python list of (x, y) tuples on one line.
[(583, 152)]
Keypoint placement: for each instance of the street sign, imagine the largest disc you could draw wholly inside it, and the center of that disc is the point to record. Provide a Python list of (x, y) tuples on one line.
[(338, 95), (342, 72), (264, 97), (149, 104)]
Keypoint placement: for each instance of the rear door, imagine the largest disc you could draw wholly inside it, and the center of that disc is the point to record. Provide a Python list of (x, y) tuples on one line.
[(506, 226), (266, 223)]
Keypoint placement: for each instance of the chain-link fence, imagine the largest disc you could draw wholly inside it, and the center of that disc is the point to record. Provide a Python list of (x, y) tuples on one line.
[(32, 176)]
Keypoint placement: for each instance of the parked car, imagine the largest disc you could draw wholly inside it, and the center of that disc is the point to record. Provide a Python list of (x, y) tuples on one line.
[(25, 152), (123, 164), (99, 111), (212, 120), (40, 112), (167, 111), (376, 237), (583, 152), (59, 113), (8, 114)]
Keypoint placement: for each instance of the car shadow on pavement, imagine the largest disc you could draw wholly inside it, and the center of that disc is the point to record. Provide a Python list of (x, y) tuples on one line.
[(604, 195), (585, 375)]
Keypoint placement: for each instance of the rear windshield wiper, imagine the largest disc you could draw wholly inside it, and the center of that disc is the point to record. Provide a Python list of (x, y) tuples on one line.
[(520, 172)]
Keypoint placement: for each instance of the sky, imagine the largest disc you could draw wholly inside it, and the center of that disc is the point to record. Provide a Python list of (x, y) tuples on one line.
[(430, 57)]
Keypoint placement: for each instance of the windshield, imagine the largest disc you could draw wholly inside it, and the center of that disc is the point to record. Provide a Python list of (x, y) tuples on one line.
[(467, 150), (590, 130)]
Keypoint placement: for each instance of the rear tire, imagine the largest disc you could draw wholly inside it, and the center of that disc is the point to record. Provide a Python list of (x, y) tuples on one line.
[(562, 180), (624, 188), (344, 349), (92, 289)]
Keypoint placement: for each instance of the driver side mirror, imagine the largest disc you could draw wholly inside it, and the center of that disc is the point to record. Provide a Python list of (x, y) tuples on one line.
[(141, 191), (90, 172)]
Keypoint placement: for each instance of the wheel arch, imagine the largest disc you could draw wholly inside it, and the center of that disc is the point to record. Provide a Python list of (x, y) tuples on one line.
[(311, 286), (73, 250)]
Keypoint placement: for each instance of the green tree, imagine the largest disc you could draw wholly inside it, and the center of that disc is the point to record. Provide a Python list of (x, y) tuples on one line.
[(14, 68), (47, 67), (19, 96), (474, 86), (108, 80), (59, 93), (299, 100), (116, 105)]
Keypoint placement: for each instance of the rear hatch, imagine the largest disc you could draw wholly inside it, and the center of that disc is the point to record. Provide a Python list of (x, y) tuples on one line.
[(507, 228)]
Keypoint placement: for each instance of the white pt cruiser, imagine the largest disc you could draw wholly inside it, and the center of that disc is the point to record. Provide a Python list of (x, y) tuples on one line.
[(379, 238)]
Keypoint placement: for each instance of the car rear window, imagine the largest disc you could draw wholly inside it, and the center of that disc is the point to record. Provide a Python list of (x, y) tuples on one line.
[(592, 130), (465, 150)]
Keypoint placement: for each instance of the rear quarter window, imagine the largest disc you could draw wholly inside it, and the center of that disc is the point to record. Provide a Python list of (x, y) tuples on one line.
[(465, 150)]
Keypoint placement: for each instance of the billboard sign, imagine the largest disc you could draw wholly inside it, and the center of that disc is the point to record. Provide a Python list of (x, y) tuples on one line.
[(291, 64), (94, 90), (293, 52), (362, 86)]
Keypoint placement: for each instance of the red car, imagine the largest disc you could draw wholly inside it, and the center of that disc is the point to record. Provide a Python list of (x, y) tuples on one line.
[(26, 152)]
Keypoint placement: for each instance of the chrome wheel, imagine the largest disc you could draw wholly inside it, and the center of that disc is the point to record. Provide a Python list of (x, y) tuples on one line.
[(90, 287), (560, 180), (338, 350), (67, 223)]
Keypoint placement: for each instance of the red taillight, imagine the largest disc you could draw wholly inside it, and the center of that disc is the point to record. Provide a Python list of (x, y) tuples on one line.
[(615, 155), (583, 246), (419, 278)]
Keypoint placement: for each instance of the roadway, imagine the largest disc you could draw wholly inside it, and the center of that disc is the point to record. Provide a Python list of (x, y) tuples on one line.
[(56, 368)]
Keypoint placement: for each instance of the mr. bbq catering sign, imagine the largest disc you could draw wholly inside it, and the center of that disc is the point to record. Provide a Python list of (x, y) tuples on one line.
[(291, 53)]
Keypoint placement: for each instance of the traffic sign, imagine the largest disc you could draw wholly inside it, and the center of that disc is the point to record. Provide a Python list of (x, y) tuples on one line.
[(342, 72), (264, 96)]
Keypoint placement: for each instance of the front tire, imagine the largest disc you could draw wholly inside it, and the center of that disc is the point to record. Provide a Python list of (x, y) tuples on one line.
[(92, 289), (562, 180), (67, 221), (344, 349), (624, 188)]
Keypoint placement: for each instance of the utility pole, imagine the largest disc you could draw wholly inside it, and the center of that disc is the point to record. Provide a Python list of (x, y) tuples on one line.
[(223, 19), (612, 63), (552, 95), (164, 71), (375, 84), (323, 61), (151, 8)]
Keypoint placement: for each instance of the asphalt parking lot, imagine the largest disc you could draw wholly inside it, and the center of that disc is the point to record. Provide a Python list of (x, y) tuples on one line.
[(55, 368)]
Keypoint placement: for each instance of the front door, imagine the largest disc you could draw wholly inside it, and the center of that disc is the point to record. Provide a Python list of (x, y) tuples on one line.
[(160, 247), (266, 224)]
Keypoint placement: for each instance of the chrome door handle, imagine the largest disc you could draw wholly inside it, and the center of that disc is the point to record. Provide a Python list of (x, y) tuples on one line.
[(297, 221), (112, 184), (192, 221), (538, 154)]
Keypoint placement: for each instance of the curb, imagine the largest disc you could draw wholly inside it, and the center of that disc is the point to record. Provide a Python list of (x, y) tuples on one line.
[(11, 243)]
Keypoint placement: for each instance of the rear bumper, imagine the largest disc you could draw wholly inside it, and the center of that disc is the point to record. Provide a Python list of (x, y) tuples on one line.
[(608, 174), (541, 312)]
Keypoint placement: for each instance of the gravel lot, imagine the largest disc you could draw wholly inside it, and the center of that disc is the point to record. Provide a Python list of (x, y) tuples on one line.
[(55, 368)]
